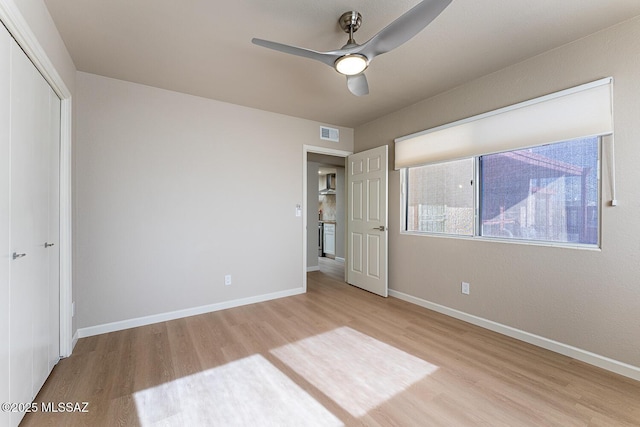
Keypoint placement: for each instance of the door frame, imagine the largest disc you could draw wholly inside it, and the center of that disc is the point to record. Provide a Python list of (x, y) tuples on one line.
[(12, 18), (318, 150)]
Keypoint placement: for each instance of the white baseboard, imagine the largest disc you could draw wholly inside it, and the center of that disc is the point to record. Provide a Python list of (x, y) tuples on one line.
[(74, 341), (339, 259), (163, 317), (313, 268), (603, 362)]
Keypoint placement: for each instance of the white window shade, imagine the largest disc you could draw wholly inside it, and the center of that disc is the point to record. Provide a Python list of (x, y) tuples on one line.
[(581, 111)]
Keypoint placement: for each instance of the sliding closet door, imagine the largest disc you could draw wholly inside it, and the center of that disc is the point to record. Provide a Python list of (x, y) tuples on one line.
[(43, 135), (5, 220), (34, 281), (26, 227)]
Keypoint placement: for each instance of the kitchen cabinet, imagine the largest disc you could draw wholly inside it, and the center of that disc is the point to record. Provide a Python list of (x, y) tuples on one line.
[(329, 239)]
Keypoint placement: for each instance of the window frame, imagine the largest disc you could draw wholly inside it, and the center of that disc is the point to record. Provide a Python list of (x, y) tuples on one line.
[(477, 204), (405, 205)]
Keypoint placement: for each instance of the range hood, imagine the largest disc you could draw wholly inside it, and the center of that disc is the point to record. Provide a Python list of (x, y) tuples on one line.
[(330, 187)]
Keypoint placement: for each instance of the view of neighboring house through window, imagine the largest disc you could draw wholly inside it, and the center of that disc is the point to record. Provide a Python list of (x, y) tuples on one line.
[(548, 193)]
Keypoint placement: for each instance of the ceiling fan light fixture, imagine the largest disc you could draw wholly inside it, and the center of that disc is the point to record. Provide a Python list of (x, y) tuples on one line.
[(352, 59), (351, 64)]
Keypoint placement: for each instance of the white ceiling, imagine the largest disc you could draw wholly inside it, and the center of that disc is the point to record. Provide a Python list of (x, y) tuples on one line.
[(203, 47)]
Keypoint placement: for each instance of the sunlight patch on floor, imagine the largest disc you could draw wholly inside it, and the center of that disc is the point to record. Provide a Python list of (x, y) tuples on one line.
[(355, 370), (249, 391)]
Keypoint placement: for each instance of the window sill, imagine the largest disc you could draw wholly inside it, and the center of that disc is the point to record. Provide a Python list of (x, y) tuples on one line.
[(578, 246)]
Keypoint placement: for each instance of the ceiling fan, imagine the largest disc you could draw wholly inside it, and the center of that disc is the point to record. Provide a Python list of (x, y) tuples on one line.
[(353, 58)]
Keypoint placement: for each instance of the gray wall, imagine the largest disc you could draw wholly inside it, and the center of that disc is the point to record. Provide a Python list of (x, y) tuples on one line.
[(171, 197), (588, 299)]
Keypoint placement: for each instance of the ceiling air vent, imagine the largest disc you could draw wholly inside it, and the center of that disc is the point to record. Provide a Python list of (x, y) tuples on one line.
[(330, 134)]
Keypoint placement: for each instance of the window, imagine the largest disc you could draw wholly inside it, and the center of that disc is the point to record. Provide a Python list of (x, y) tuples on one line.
[(440, 198), (548, 193), (521, 186)]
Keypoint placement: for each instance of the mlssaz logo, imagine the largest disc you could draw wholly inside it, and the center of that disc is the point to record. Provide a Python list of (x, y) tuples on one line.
[(64, 406)]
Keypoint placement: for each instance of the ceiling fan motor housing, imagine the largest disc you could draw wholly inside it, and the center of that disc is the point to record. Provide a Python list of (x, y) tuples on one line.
[(350, 21)]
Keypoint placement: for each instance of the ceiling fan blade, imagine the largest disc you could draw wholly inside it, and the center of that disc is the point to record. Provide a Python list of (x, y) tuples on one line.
[(328, 58), (404, 28), (358, 84)]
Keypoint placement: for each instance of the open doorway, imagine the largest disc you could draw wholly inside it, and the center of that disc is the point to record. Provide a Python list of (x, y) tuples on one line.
[(331, 202), (325, 207)]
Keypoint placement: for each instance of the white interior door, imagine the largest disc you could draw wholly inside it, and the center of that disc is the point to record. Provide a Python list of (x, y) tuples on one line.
[(367, 181)]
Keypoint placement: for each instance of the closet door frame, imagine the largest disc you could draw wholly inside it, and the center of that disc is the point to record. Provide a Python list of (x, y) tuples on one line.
[(14, 22)]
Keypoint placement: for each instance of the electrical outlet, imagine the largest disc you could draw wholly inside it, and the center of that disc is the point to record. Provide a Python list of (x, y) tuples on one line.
[(465, 288), (227, 280)]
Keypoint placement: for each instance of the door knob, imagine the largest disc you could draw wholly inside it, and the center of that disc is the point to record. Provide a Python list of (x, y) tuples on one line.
[(381, 228), (47, 245), (17, 255)]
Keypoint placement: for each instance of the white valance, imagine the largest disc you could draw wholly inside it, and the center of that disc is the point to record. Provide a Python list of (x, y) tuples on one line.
[(581, 111)]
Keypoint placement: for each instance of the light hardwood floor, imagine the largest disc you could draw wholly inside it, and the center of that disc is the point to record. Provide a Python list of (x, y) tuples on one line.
[(334, 356), (332, 268)]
